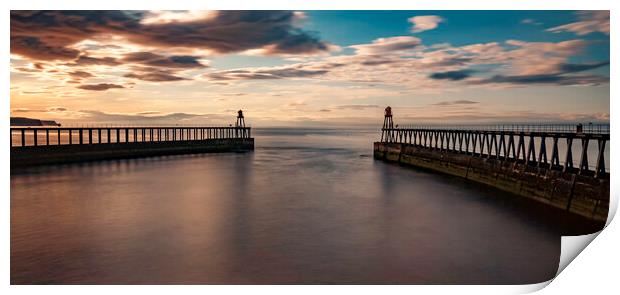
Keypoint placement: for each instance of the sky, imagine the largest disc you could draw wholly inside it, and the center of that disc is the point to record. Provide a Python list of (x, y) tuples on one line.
[(310, 68)]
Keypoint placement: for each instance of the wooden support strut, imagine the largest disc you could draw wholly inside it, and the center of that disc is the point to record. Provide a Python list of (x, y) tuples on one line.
[(600, 162), (583, 162), (555, 155), (568, 162), (531, 151), (542, 154), (467, 138), (521, 147)]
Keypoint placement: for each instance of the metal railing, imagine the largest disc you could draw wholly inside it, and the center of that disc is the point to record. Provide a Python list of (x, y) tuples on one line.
[(526, 145), (598, 128), (54, 136)]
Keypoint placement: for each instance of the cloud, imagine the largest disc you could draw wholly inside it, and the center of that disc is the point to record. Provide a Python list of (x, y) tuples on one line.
[(295, 104), (25, 110), (572, 68), (34, 48), (388, 45), (551, 79), (153, 75), (377, 61), (148, 116), (99, 87), (393, 65), (25, 70), (80, 74), (529, 21), (48, 110), (357, 107), (590, 21), (559, 75), (166, 17), (456, 102), (294, 71), (85, 60), (34, 92), (562, 74), (430, 67), (452, 75), (424, 23), (50, 35), (156, 60)]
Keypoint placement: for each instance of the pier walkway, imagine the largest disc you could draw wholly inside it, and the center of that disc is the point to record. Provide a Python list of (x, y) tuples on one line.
[(57, 145), (558, 164)]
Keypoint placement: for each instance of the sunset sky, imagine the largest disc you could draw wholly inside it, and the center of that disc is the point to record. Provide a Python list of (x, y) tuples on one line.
[(309, 68)]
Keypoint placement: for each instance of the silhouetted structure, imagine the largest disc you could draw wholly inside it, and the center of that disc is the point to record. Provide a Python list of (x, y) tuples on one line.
[(388, 125), (51, 145), (240, 119), (512, 158)]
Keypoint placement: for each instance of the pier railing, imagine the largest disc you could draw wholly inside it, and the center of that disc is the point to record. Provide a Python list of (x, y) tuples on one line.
[(581, 128), (539, 145), (53, 136)]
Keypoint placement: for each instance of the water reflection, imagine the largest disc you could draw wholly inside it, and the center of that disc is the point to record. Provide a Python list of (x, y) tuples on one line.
[(303, 208)]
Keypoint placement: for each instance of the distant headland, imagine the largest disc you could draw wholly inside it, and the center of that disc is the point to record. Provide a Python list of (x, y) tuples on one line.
[(21, 121)]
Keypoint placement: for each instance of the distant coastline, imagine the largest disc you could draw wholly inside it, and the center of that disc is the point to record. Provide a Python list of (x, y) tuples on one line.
[(21, 121)]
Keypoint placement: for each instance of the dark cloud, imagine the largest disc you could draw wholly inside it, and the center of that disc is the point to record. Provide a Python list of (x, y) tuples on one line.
[(34, 48), (452, 75), (56, 109), (264, 74), (294, 73), (48, 35), (80, 74), (26, 70), (89, 61), (550, 79), (156, 60), (452, 61), (377, 61), (572, 68), (233, 31), (154, 75), (99, 87), (456, 102), (238, 75), (563, 75), (298, 42)]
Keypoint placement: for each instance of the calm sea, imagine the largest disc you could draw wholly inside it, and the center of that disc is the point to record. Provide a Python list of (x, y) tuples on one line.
[(307, 206)]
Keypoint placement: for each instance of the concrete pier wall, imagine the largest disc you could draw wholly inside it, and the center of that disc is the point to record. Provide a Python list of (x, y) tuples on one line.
[(579, 194), (60, 154)]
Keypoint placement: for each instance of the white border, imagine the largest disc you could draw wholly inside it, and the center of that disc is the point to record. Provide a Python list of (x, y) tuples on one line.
[(593, 271)]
